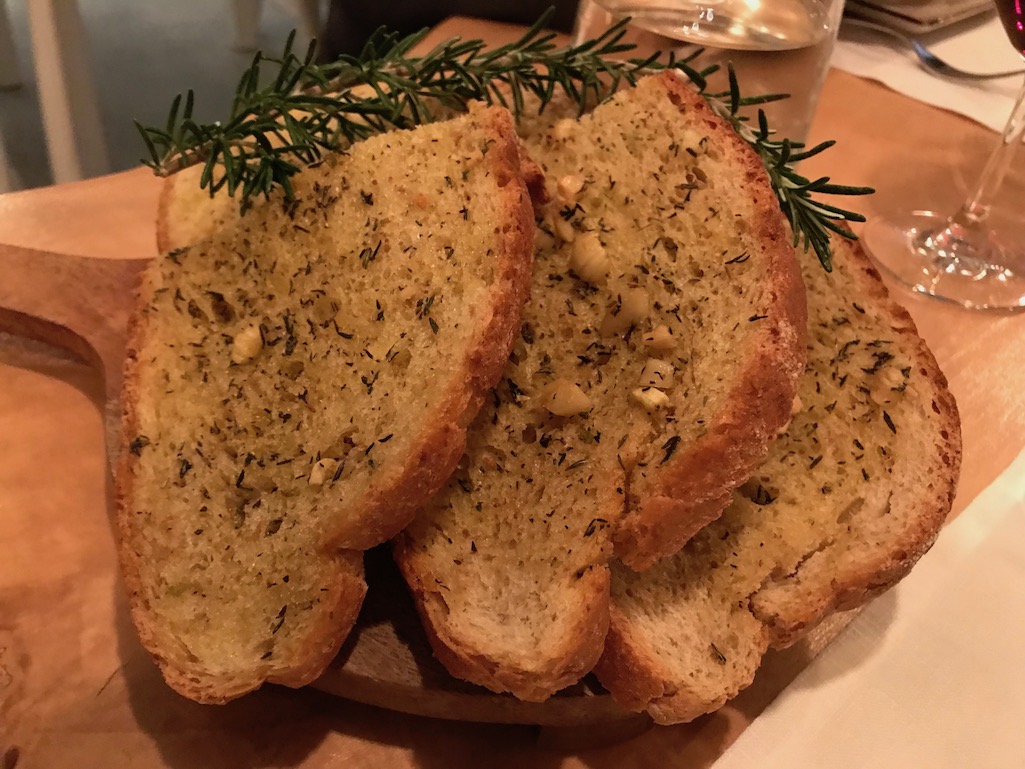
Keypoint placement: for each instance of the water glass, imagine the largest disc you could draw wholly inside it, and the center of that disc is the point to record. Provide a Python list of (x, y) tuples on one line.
[(776, 46)]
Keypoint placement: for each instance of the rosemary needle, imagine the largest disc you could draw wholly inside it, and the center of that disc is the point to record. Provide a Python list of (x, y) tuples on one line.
[(308, 109)]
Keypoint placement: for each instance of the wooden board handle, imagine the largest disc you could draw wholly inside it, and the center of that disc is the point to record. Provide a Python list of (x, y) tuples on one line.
[(79, 304)]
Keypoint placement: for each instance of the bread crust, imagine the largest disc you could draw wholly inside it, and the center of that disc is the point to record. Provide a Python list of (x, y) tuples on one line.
[(465, 661), (695, 487), (203, 215), (630, 671), (385, 510), (163, 223), (635, 677)]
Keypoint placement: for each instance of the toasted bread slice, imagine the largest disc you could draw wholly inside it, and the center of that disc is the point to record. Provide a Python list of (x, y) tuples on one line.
[(850, 497), (187, 214), (298, 386), (658, 357)]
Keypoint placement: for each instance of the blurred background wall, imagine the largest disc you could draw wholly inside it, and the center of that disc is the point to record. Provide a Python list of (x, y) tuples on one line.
[(143, 52)]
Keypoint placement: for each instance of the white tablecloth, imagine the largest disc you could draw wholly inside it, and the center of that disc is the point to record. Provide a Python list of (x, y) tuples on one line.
[(980, 46), (931, 675)]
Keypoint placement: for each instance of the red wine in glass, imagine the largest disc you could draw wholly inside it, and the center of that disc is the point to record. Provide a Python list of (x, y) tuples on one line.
[(1012, 15), (963, 258)]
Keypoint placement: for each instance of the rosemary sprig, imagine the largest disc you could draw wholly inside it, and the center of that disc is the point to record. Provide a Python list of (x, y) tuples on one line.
[(308, 109), (810, 220)]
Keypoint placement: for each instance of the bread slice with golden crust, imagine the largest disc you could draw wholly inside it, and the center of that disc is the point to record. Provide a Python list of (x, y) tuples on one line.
[(187, 214), (658, 358), (299, 385), (853, 493)]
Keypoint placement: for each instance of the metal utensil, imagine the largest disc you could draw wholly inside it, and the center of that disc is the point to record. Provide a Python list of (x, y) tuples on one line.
[(927, 57), (917, 17)]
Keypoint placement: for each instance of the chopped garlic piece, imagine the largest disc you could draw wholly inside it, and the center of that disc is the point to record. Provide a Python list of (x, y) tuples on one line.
[(659, 339), (589, 260), (891, 377), (657, 373), (246, 345), (321, 471), (650, 398), (635, 305), (569, 187), (631, 309), (564, 398)]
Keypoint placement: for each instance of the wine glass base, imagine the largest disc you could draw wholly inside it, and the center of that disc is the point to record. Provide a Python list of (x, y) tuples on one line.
[(980, 282)]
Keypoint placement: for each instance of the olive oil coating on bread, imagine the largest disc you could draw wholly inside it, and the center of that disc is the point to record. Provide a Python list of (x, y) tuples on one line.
[(850, 497), (298, 385), (658, 358), (187, 213)]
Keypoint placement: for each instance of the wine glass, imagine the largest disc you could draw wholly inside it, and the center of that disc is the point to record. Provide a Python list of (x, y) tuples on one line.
[(962, 258)]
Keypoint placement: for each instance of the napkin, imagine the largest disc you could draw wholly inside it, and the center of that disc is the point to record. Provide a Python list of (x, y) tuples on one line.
[(975, 46), (931, 674)]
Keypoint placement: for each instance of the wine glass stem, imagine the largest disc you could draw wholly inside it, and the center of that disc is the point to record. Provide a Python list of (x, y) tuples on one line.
[(976, 209)]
